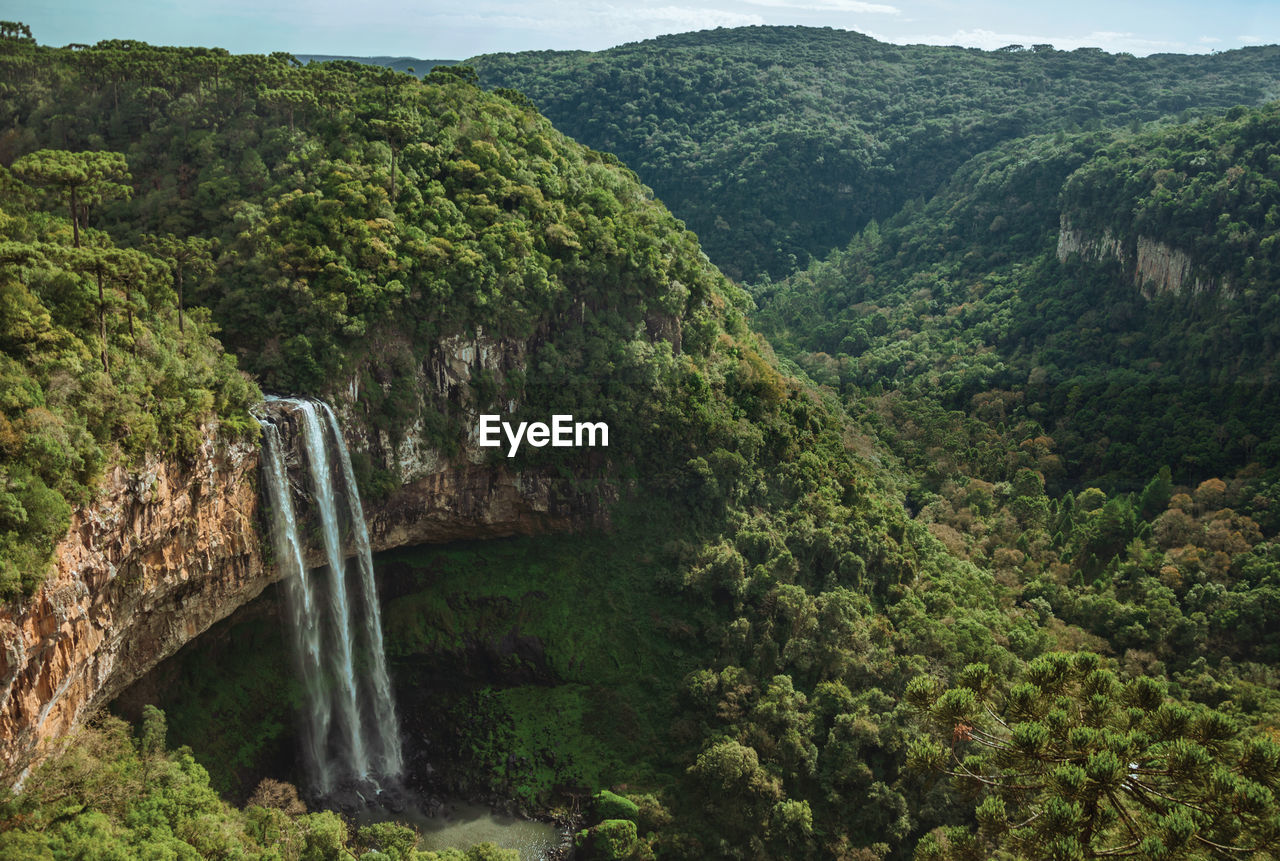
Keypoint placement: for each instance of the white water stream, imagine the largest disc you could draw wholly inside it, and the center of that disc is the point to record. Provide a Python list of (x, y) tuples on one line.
[(350, 732)]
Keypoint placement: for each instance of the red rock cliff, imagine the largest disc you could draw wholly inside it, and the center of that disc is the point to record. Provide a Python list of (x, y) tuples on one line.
[(162, 554), (166, 551)]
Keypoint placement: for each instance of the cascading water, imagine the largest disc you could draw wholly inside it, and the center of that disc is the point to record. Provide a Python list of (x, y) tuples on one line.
[(391, 761), (350, 731)]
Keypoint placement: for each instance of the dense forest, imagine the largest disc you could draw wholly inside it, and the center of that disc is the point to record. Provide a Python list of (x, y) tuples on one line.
[(983, 566), (977, 301), (96, 363), (775, 144), (1099, 437)]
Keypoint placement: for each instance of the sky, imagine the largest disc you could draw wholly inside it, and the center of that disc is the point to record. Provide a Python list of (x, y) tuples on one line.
[(432, 29)]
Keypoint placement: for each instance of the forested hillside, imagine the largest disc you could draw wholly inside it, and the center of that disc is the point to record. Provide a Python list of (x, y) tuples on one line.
[(1113, 291), (338, 208), (98, 366), (341, 212), (1072, 350), (776, 144), (770, 655)]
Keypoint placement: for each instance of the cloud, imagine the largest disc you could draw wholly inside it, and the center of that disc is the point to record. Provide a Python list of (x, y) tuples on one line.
[(1108, 40), (1250, 40), (829, 6), (601, 22), (684, 17)]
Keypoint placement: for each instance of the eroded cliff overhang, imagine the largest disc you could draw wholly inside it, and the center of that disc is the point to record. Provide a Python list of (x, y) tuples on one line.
[(170, 548), (162, 553)]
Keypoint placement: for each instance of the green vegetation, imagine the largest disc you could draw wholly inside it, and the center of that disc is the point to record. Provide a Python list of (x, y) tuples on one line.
[(776, 144), (345, 219), (814, 594), (231, 697), (1073, 763), (563, 248), (962, 305), (113, 794), (1012, 386), (95, 367), (753, 630), (1209, 189)]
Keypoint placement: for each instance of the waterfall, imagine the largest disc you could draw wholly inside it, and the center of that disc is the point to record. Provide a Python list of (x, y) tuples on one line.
[(301, 601), (391, 761), (350, 730)]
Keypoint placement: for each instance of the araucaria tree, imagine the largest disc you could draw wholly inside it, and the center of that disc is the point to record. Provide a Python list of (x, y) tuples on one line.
[(1074, 763), (86, 178), (187, 254)]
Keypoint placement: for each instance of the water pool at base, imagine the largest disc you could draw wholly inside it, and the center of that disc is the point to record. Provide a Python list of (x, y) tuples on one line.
[(461, 825), (464, 825)]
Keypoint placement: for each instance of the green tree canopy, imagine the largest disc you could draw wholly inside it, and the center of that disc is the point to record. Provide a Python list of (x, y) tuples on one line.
[(1074, 762)]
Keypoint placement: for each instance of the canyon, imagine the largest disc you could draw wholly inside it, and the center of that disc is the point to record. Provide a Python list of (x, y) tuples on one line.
[(170, 546)]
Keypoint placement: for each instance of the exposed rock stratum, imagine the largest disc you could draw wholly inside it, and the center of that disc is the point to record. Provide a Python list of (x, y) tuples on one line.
[(169, 548)]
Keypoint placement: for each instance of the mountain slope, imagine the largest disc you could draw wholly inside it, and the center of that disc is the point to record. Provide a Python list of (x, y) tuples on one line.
[(1073, 350), (97, 368), (422, 251), (1117, 290), (741, 655), (777, 143)]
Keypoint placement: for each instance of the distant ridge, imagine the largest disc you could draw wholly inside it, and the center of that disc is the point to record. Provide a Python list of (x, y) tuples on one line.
[(778, 144), (400, 64)]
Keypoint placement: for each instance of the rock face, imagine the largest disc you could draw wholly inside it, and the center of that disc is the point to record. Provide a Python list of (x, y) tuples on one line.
[(1074, 241), (474, 494), (159, 557), (169, 550), (472, 501), (1154, 267)]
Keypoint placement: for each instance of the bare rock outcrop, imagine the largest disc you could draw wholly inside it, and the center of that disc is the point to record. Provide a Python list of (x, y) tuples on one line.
[(473, 494), (1153, 266), (162, 554)]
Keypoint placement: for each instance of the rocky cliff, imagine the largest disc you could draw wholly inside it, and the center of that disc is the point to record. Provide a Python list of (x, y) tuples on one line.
[(1153, 266), (474, 494), (170, 548), (164, 552)]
